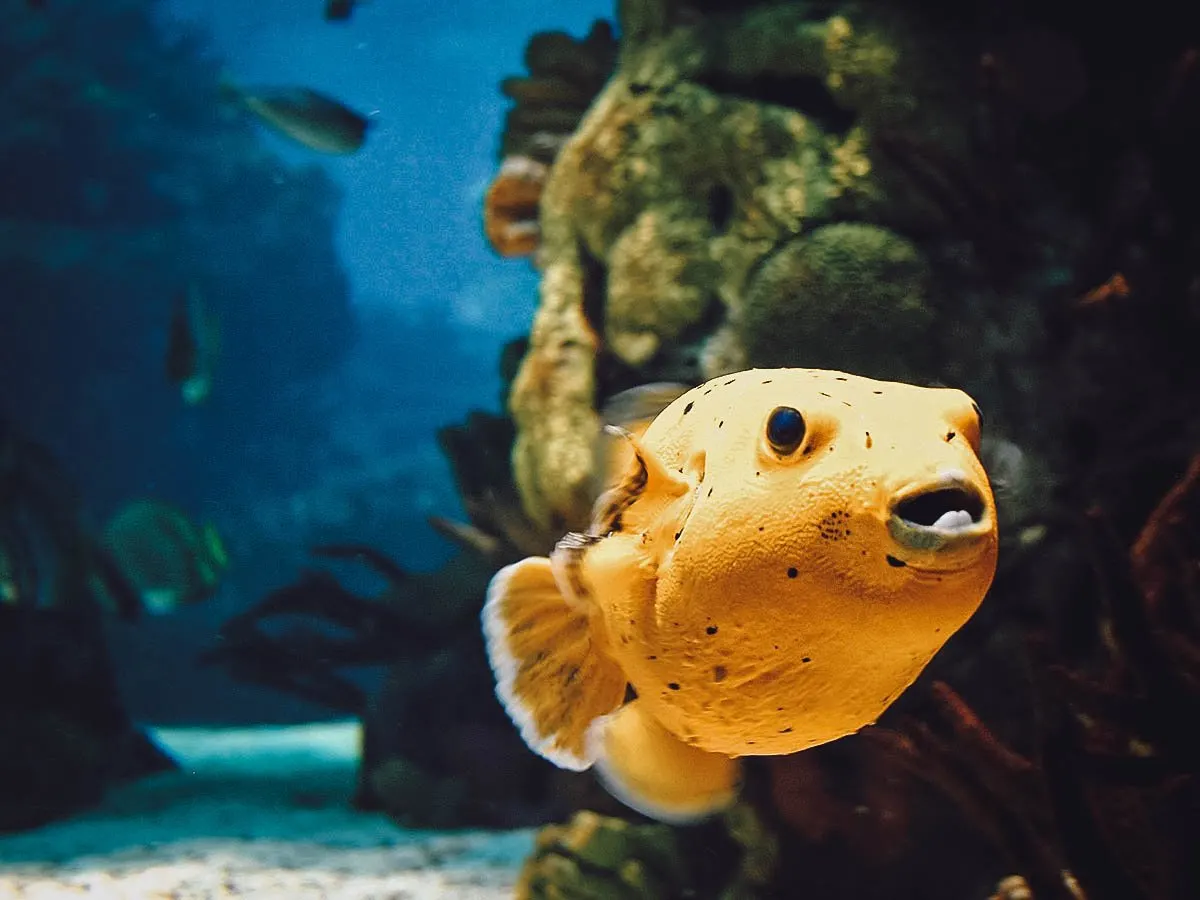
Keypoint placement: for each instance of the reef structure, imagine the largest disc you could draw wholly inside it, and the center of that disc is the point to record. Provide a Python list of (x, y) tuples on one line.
[(772, 186)]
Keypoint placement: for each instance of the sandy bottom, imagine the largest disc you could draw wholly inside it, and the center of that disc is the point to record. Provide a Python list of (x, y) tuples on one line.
[(256, 812)]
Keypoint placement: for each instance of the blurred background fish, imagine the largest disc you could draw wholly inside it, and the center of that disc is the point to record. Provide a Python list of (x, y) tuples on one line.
[(340, 10), (308, 117), (49, 557), (167, 557), (193, 343)]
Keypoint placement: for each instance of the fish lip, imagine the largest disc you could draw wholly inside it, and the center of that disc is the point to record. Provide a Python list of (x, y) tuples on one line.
[(911, 510)]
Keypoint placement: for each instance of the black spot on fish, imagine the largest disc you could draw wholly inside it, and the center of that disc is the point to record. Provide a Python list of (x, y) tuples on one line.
[(833, 526), (719, 673), (673, 685), (677, 534), (877, 392), (868, 440), (847, 404), (895, 563), (632, 622), (787, 730), (731, 381), (823, 394), (710, 492), (779, 709), (762, 527), (687, 409), (949, 436), (806, 659), (651, 658), (749, 742), (721, 424), (756, 474), (711, 629), (793, 572), (768, 381), (807, 450), (839, 378), (706, 393)]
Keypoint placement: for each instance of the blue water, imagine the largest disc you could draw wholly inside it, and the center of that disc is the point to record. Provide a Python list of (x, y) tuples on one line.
[(351, 328)]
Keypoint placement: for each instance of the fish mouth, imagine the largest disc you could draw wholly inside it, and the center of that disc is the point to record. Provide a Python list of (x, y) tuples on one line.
[(950, 513)]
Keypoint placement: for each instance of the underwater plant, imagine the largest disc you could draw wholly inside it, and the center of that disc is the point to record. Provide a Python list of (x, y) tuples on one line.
[(436, 749), (65, 736)]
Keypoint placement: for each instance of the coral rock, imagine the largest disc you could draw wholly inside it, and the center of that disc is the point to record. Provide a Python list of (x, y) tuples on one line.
[(659, 283), (594, 856), (565, 75), (510, 207), (551, 402), (861, 283), (688, 196)]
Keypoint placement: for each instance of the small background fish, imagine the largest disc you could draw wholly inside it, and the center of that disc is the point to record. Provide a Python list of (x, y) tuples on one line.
[(170, 559), (306, 116), (340, 10), (193, 344)]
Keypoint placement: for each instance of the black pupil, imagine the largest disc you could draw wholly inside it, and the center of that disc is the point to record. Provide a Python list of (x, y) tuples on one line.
[(785, 429)]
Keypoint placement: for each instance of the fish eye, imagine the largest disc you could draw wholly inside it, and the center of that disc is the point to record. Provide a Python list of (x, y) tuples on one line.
[(785, 430)]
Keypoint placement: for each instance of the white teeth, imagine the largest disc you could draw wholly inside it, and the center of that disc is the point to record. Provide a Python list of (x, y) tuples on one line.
[(955, 518)]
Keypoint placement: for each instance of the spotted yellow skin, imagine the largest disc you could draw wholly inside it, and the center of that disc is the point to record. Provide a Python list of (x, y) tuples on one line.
[(757, 611)]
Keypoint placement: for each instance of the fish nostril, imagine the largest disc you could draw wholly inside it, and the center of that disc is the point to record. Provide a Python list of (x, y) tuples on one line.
[(929, 509)]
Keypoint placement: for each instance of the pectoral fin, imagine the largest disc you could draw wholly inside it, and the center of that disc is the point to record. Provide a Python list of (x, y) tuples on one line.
[(644, 473), (552, 681), (649, 769)]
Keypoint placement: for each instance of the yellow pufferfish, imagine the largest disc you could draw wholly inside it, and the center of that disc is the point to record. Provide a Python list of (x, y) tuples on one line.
[(785, 552)]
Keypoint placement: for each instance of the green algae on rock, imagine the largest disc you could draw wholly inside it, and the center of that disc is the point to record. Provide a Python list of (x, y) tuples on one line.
[(688, 207), (862, 283)]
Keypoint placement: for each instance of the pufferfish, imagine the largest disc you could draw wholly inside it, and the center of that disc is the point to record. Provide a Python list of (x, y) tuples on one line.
[(783, 555)]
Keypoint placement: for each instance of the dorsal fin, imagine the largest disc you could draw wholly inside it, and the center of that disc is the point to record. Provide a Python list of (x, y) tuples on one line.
[(637, 407)]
